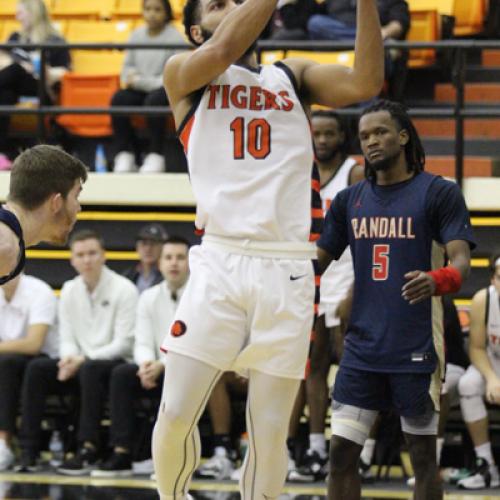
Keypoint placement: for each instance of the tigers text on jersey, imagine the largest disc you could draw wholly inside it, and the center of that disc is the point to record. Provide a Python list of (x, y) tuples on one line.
[(493, 322), (250, 155), (392, 230)]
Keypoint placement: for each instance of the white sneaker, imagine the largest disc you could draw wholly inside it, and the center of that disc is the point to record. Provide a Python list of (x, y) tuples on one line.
[(144, 467), (411, 482), (153, 164), (124, 163), (484, 476), (6, 456), (219, 467), (236, 474)]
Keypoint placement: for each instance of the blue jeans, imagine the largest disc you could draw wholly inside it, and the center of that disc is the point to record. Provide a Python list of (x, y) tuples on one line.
[(321, 27)]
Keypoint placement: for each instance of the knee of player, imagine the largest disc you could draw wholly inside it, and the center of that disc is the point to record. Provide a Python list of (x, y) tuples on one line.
[(172, 419), (344, 455), (469, 386)]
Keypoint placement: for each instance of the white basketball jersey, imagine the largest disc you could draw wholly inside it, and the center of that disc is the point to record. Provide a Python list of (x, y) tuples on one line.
[(250, 156), (493, 321), (339, 275)]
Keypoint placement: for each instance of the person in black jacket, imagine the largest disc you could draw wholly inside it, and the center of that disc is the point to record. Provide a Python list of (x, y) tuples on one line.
[(20, 68), (339, 22)]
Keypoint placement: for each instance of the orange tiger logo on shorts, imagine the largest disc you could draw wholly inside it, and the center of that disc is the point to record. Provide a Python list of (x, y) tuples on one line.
[(178, 328)]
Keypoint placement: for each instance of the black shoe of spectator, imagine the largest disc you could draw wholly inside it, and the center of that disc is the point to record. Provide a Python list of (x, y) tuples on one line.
[(313, 468), (117, 465), (27, 462), (82, 463)]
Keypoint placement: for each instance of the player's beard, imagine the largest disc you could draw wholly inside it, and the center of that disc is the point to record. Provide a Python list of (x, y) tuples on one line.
[(383, 164), (326, 156), (208, 34)]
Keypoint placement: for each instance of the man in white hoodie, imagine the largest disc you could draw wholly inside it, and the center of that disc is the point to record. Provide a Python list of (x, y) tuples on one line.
[(96, 326), (143, 379)]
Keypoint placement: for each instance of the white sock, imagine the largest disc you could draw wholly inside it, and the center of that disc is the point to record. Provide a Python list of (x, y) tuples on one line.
[(220, 451), (317, 442), (367, 451), (484, 451), (439, 449)]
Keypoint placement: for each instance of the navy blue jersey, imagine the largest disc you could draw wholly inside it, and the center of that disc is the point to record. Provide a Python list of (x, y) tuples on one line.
[(391, 230), (11, 220)]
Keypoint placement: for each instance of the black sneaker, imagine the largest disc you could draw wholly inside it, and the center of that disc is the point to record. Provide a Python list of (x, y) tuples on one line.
[(27, 463), (117, 465), (80, 464), (313, 468)]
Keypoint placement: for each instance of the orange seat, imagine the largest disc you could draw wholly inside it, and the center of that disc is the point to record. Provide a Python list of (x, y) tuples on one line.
[(424, 28), (8, 26), (85, 31), (128, 9), (83, 91), (78, 9), (444, 7), (8, 9), (345, 58), (97, 62), (469, 17)]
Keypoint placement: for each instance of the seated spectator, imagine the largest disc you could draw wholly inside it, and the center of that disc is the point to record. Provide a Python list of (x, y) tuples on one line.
[(96, 328), (292, 18), (222, 463), (340, 21), (340, 24), (149, 243), (482, 379), (142, 82), (27, 318), (20, 68), (144, 378)]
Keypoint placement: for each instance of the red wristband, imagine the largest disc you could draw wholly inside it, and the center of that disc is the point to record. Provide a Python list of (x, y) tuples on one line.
[(448, 280)]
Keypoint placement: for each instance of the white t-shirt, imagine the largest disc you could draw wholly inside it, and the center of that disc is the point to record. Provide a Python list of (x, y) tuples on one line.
[(155, 314), (33, 303)]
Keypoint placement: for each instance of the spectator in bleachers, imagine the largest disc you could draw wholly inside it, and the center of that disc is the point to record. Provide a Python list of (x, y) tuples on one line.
[(142, 82), (340, 21), (27, 329), (292, 18), (482, 379), (143, 379), (20, 68), (96, 328), (149, 243)]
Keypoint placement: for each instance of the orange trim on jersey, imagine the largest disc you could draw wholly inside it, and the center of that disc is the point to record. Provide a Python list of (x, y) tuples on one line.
[(317, 280), (317, 213), (316, 186), (199, 232), (186, 132), (314, 236), (316, 307)]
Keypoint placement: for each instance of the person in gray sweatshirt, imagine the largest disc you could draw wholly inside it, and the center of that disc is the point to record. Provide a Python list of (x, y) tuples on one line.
[(142, 84)]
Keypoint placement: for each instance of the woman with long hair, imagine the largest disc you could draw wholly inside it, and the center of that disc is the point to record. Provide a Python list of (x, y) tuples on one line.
[(20, 68)]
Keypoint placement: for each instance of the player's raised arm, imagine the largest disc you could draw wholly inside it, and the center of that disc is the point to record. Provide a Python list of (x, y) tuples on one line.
[(239, 28), (334, 85)]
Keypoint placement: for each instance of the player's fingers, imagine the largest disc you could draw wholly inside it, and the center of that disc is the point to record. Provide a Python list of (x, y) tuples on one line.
[(412, 274), (415, 289), (415, 282), (419, 294)]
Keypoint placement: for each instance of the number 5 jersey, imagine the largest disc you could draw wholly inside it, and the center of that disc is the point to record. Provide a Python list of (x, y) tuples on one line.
[(392, 230)]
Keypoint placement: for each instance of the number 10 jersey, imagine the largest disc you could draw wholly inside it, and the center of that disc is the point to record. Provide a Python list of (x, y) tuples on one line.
[(249, 150)]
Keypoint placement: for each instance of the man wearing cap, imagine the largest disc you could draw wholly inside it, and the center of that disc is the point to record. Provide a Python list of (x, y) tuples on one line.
[(149, 242)]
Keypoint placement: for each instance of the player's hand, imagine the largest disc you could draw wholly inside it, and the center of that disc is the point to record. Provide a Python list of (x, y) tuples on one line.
[(420, 287), (493, 391)]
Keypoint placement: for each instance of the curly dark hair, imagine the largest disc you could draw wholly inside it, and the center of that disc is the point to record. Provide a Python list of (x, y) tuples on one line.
[(414, 151), (191, 15)]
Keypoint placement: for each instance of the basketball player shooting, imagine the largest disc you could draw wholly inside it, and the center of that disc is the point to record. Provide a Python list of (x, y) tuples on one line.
[(249, 302)]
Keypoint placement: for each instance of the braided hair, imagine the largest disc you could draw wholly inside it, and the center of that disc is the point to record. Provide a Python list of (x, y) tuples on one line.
[(414, 151)]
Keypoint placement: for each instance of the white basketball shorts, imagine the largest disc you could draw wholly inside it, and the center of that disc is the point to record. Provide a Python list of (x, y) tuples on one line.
[(241, 312)]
